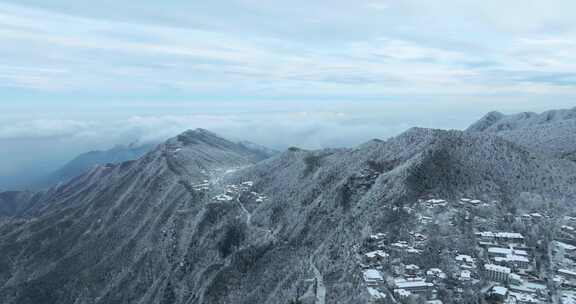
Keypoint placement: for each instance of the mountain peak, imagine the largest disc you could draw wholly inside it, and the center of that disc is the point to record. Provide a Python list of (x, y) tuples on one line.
[(199, 136), (486, 121), (498, 122), (199, 132), (193, 218), (552, 132)]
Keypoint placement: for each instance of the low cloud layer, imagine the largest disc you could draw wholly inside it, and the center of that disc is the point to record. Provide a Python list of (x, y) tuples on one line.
[(306, 129), (32, 148), (35, 147), (82, 75)]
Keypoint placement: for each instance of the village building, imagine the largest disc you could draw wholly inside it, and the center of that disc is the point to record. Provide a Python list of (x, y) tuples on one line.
[(465, 275), (568, 298), (412, 270), (403, 249), (513, 261), (402, 294), (417, 286), (432, 203), (531, 218), (472, 202), (400, 246), (503, 252), (418, 237), (499, 293), (564, 250), (372, 277), (497, 273), (465, 261), (376, 295), (502, 238), (568, 274), (510, 257), (376, 257), (515, 279), (435, 274), (523, 298), (412, 252), (378, 236), (424, 220), (533, 288), (568, 231)]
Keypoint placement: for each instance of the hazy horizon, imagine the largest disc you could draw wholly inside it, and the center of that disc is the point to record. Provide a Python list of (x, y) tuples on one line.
[(80, 76)]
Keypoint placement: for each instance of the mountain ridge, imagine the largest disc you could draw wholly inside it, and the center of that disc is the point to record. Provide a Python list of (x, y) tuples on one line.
[(496, 121), (200, 219), (552, 132)]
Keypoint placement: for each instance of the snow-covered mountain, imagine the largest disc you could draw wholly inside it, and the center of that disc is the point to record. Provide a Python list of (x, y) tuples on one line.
[(200, 219), (552, 132), (86, 161)]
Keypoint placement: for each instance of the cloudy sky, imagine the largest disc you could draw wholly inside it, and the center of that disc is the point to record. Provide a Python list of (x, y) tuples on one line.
[(81, 75)]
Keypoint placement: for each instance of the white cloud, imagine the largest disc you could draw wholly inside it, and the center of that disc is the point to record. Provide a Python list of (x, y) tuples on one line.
[(46, 53), (385, 58), (307, 129), (43, 129)]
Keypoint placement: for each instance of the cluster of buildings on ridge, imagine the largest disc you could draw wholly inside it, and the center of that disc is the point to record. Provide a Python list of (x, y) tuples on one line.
[(501, 268)]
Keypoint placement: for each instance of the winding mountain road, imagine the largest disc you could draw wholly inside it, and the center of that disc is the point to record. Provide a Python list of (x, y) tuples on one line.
[(248, 214), (320, 286)]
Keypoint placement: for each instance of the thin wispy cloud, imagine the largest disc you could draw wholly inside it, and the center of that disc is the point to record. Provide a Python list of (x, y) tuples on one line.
[(306, 129), (91, 54), (80, 75)]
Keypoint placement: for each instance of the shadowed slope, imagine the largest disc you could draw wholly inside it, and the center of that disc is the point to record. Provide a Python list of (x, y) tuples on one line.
[(196, 221)]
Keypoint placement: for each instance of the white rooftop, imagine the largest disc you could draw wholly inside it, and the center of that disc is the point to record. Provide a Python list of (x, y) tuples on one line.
[(524, 297), (416, 283), (514, 276), (506, 235), (376, 294), (465, 274), (377, 253), (564, 246), (497, 268), (464, 258), (401, 244), (436, 201), (507, 251), (500, 290), (512, 258), (372, 275), (567, 272), (402, 292)]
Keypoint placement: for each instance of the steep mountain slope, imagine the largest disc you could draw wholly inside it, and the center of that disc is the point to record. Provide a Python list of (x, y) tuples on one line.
[(24, 203), (203, 220), (85, 161), (99, 228), (116, 155), (552, 132), (13, 203), (262, 150)]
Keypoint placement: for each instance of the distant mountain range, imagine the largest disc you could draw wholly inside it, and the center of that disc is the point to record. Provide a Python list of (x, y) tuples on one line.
[(552, 132), (121, 153), (201, 219), (84, 162)]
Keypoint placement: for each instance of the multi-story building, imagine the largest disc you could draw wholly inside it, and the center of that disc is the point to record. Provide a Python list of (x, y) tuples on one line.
[(497, 273)]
